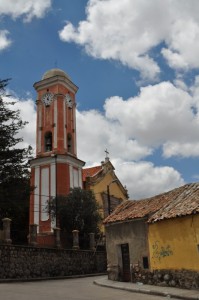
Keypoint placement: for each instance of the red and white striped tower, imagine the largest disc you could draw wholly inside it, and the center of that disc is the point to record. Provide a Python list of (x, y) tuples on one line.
[(56, 167)]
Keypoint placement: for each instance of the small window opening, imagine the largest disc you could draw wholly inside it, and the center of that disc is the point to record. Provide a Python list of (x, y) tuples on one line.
[(48, 141), (145, 262), (69, 143)]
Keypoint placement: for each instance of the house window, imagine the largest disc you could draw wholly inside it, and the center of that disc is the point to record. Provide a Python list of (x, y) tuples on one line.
[(48, 141), (145, 262)]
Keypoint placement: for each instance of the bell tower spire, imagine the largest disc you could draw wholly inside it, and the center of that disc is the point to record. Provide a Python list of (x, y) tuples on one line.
[(56, 167)]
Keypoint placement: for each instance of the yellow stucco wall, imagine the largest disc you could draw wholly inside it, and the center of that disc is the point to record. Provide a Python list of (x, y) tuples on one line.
[(101, 187), (173, 243)]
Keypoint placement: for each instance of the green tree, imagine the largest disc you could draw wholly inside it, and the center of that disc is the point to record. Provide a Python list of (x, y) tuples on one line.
[(78, 210), (14, 168)]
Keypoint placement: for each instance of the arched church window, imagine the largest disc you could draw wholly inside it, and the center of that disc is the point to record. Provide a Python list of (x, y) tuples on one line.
[(48, 141), (69, 143)]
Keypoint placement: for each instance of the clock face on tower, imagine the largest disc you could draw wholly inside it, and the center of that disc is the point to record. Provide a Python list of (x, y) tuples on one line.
[(69, 101), (47, 98)]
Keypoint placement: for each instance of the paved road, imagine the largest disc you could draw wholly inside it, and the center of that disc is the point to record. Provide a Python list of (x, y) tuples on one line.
[(68, 289)]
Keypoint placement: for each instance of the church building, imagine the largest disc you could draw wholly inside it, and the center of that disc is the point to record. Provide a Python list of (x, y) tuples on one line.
[(56, 167), (106, 186)]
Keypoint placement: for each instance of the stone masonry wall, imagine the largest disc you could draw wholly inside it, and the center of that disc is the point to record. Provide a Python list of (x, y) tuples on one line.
[(21, 262), (174, 278)]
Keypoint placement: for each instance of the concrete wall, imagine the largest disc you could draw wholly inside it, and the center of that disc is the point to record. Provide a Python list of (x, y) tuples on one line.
[(19, 262), (174, 243), (133, 233)]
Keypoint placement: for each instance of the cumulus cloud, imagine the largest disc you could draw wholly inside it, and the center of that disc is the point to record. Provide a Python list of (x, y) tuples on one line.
[(5, 42), (96, 132), (144, 179), (28, 114), (160, 114), (181, 149), (195, 92), (128, 31), (183, 44), (27, 9)]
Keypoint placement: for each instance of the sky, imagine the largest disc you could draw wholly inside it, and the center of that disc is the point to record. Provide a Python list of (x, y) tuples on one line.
[(136, 63)]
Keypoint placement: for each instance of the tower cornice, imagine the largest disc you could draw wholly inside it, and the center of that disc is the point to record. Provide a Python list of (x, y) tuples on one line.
[(42, 161), (45, 83)]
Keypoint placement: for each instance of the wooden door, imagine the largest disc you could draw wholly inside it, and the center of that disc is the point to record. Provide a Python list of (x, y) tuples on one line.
[(126, 276)]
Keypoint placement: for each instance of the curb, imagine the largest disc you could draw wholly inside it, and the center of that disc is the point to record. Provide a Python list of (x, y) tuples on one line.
[(145, 291), (14, 280)]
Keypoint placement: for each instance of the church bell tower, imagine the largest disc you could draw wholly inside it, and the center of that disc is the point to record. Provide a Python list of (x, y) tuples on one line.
[(56, 167)]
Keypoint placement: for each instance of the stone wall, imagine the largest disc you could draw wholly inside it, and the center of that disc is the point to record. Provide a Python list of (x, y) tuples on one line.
[(174, 278), (21, 262)]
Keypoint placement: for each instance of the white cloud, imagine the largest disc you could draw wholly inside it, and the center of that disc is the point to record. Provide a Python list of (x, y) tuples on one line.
[(160, 114), (181, 149), (27, 9), (5, 42), (179, 83), (143, 179), (27, 114), (128, 30), (195, 92), (183, 42), (96, 133)]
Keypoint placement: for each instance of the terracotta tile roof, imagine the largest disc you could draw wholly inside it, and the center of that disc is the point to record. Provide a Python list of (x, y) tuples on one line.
[(184, 201), (90, 172), (132, 209), (178, 202)]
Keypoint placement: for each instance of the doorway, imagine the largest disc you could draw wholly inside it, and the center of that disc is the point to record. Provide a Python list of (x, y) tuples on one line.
[(126, 276)]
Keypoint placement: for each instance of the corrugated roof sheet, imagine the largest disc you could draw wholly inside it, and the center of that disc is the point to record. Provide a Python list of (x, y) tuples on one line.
[(178, 202), (90, 172)]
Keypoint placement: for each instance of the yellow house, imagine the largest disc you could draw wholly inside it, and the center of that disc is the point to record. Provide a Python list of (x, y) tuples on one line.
[(174, 231), (107, 188), (156, 240)]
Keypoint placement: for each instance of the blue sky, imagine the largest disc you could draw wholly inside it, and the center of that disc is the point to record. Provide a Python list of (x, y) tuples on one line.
[(137, 68)]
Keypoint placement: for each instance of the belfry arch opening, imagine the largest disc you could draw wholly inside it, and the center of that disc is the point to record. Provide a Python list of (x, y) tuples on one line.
[(48, 141)]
